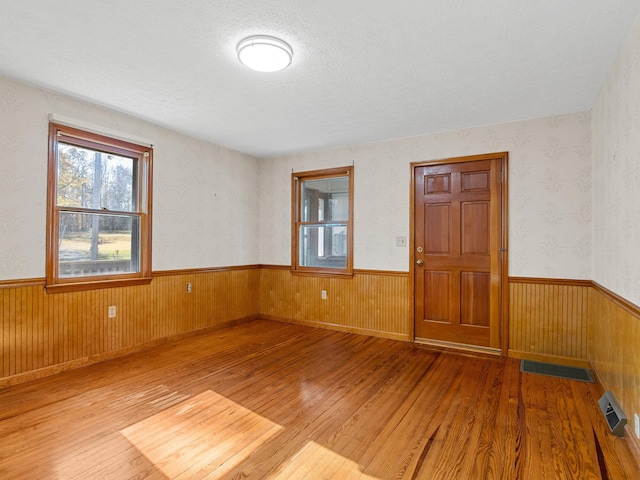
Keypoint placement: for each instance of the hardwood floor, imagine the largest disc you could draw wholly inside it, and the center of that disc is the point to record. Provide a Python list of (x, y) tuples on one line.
[(270, 400)]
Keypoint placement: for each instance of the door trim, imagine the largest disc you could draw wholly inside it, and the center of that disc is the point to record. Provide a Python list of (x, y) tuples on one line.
[(504, 269)]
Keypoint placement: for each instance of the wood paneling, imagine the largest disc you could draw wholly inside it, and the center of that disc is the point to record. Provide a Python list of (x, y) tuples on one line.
[(369, 303), (614, 339), (265, 400), (44, 333), (549, 321), (47, 333)]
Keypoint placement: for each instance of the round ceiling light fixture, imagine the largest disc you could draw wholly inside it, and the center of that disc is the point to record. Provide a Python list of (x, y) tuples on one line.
[(264, 54)]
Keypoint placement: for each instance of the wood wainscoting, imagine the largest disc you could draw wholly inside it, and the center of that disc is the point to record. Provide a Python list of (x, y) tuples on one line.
[(370, 302), (614, 339), (548, 320), (45, 333)]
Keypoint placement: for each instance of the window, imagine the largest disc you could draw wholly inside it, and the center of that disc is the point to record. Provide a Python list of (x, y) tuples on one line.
[(99, 211), (322, 233)]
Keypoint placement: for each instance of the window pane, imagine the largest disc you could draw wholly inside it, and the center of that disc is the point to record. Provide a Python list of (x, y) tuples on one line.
[(92, 179), (322, 193), (323, 246), (93, 245)]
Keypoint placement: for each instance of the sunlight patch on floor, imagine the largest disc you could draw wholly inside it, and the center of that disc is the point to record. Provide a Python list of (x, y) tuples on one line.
[(204, 435), (315, 461)]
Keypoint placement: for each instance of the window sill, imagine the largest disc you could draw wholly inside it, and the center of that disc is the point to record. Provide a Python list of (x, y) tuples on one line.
[(94, 285), (322, 273)]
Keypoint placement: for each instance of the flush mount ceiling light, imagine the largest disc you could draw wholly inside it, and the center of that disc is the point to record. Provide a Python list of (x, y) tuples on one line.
[(264, 54)]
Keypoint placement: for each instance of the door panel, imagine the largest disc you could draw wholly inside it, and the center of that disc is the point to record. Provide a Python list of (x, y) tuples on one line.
[(474, 228), (458, 236), (475, 181), (438, 235), (438, 183), (436, 286), (474, 299)]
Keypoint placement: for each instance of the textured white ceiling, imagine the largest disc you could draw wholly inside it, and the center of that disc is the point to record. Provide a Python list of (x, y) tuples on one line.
[(363, 70)]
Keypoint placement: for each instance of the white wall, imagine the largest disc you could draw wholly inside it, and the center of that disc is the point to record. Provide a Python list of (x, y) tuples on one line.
[(616, 168), (549, 197), (205, 197)]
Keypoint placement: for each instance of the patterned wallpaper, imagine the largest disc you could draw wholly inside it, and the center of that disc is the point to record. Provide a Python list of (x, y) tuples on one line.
[(200, 189), (616, 168), (207, 210), (549, 194)]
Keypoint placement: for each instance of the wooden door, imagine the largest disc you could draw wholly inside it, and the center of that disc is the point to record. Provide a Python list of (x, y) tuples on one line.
[(458, 245)]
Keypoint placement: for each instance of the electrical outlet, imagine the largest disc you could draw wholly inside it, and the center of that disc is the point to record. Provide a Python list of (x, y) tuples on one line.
[(401, 241), (323, 294), (637, 425), (112, 311), (189, 287)]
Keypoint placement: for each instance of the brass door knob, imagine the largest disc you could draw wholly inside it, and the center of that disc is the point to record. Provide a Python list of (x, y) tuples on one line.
[(420, 262)]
